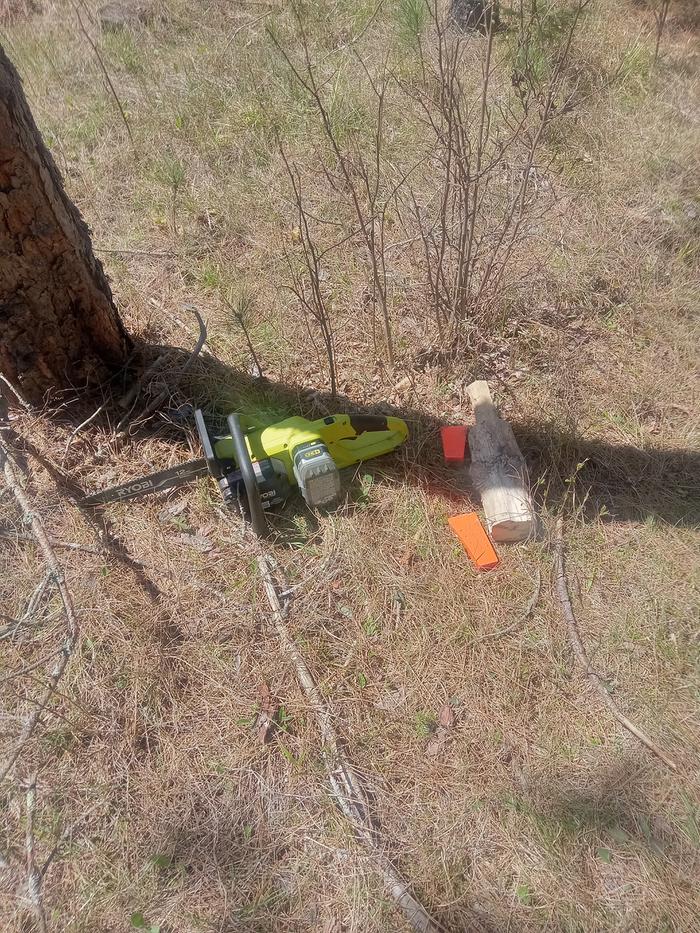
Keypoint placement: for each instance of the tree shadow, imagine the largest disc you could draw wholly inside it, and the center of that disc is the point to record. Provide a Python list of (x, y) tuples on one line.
[(615, 482), (230, 839), (612, 802), (99, 523)]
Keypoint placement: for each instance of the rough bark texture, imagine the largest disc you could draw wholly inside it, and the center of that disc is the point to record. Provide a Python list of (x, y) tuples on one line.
[(58, 323)]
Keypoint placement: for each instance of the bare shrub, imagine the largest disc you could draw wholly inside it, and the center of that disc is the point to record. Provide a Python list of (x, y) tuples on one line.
[(361, 177), (486, 199), (307, 275)]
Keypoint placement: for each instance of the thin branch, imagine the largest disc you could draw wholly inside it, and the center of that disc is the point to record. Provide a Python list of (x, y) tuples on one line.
[(54, 542), (34, 521), (239, 29), (161, 397), (106, 74), (316, 305), (16, 392), (34, 877), (580, 652), (141, 252), (30, 611), (524, 616), (347, 790), (660, 16), (307, 79), (31, 667), (83, 424), (66, 832), (129, 398)]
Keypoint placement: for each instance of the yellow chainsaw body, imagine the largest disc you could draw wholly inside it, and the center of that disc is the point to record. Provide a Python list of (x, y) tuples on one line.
[(350, 439)]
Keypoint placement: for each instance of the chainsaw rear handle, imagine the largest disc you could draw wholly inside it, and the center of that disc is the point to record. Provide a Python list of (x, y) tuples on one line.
[(245, 465)]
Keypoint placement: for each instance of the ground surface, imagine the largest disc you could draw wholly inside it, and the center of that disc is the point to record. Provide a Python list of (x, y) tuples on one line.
[(533, 810)]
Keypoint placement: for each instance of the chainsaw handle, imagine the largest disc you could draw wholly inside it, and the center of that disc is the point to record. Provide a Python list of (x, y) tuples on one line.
[(245, 465)]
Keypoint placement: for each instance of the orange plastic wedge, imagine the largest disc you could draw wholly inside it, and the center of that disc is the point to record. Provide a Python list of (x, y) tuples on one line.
[(454, 442), (475, 541)]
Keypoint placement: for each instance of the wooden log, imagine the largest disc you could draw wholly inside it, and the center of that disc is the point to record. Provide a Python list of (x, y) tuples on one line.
[(498, 470)]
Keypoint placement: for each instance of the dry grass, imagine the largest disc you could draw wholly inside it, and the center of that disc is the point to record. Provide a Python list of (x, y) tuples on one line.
[(537, 813)]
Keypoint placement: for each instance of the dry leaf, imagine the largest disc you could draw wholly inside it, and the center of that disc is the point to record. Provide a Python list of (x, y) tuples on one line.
[(199, 542), (391, 700), (172, 511), (333, 925), (446, 719), (266, 717)]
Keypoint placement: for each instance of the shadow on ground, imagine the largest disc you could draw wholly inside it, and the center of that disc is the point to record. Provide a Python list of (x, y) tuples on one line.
[(613, 803), (628, 483), (617, 482)]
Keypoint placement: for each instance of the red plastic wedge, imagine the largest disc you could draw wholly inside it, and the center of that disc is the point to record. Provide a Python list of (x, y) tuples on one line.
[(454, 442)]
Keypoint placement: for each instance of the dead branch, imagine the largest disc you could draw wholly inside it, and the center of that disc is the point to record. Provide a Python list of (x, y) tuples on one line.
[(54, 542), (23, 671), (247, 25), (373, 237), (30, 610), (347, 790), (16, 392), (34, 521), (580, 652), (34, 877), (127, 400), (66, 833), (524, 616), (83, 424), (106, 74), (162, 396)]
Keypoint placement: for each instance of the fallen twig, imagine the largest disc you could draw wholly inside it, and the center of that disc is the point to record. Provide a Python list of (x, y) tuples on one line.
[(34, 876), (529, 609), (168, 253), (129, 398), (83, 424), (16, 392), (161, 397), (346, 788), (32, 606), (29, 668), (66, 832), (580, 652), (37, 526), (239, 29), (54, 542)]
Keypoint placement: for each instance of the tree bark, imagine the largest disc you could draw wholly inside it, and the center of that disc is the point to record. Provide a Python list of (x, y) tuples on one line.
[(59, 326)]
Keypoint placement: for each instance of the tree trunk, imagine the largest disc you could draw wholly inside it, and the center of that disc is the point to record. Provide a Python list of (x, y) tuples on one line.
[(58, 323)]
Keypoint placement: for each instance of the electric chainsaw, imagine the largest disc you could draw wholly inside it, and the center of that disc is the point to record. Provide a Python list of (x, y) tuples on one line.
[(260, 468)]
